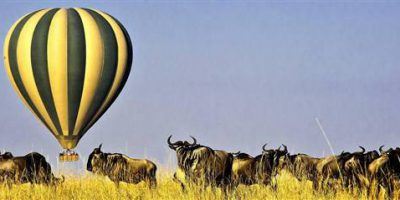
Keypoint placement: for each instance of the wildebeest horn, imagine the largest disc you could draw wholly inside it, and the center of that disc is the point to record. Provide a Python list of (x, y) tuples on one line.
[(263, 147), (169, 140), (381, 148), (236, 153), (194, 140), (100, 146), (362, 148), (285, 148)]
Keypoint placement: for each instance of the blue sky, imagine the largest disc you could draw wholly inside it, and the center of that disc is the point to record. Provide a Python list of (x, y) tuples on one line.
[(236, 75)]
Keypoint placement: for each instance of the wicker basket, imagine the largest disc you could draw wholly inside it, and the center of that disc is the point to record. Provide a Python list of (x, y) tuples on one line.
[(68, 157)]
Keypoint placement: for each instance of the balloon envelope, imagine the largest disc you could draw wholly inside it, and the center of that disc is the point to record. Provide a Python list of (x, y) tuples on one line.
[(68, 66)]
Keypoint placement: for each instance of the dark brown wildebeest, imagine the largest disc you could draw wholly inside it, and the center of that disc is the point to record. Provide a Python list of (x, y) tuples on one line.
[(250, 170), (301, 166), (243, 169), (317, 170), (121, 168), (331, 169), (385, 170), (356, 168), (201, 165), (31, 168)]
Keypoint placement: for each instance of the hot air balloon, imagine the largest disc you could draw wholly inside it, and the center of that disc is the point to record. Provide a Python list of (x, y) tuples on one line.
[(68, 66)]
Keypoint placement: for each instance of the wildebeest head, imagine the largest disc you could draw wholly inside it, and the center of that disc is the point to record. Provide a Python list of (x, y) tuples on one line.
[(387, 162), (267, 151), (180, 144), (384, 151), (6, 155), (393, 155), (360, 160), (342, 158), (184, 151), (276, 153), (369, 156), (279, 153), (271, 157), (94, 158), (280, 157), (343, 154)]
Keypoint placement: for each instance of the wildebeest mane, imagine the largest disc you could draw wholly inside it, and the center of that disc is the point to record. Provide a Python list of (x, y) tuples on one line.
[(191, 153), (112, 161)]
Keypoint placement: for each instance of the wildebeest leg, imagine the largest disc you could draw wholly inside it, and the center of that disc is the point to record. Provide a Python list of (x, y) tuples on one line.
[(203, 182), (152, 182), (266, 180), (176, 179), (152, 178), (349, 182), (9, 183), (227, 191), (8, 180), (321, 183), (393, 185), (373, 187), (274, 184), (228, 185), (363, 181), (315, 184), (395, 182)]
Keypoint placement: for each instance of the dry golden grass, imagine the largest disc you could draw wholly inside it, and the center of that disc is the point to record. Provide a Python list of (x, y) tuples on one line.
[(95, 187)]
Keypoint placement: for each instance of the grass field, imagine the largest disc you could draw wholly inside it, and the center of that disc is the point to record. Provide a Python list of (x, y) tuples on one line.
[(95, 187)]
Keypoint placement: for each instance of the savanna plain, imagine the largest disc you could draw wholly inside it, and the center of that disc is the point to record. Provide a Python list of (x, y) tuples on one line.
[(89, 186)]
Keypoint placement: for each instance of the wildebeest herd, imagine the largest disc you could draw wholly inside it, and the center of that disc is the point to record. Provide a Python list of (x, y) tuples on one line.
[(361, 169), (202, 165)]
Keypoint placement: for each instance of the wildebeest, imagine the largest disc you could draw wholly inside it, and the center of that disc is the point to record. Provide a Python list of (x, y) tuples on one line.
[(385, 169), (250, 170), (32, 168), (356, 168), (243, 169), (314, 169), (121, 168), (331, 168), (302, 166), (201, 165)]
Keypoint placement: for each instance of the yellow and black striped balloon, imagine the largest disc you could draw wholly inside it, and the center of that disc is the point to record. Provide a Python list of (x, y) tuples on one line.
[(68, 66)]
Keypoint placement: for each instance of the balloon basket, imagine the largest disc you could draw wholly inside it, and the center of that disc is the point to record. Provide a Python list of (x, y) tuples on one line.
[(68, 156)]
